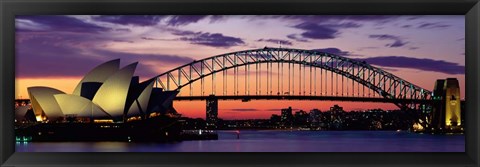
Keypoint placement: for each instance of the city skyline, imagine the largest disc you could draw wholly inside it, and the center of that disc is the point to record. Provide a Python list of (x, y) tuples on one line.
[(424, 48)]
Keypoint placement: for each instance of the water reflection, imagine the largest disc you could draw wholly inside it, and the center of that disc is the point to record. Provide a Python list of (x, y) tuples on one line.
[(275, 141)]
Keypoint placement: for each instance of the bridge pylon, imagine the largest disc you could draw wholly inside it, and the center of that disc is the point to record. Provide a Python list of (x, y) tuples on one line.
[(446, 115)]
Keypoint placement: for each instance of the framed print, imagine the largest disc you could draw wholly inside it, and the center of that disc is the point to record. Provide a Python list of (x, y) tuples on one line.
[(239, 83)]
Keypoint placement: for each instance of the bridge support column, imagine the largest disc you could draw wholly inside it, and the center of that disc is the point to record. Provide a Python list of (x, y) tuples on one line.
[(212, 112), (438, 109), (447, 108)]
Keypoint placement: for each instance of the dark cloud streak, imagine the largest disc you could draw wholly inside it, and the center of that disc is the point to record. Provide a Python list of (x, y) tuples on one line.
[(276, 41), (296, 38), (397, 41), (432, 25), (323, 31), (315, 31), (180, 20), (416, 63), (334, 51), (54, 23), (209, 39), (137, 20)]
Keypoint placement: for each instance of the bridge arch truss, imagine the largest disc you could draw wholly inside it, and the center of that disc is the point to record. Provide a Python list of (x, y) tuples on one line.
[(379, 81)]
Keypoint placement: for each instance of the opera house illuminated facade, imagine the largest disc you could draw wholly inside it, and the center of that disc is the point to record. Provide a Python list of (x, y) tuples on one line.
[(107, 93)]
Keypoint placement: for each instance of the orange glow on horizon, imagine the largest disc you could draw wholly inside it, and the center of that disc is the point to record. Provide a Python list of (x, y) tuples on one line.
[(64, 84), (255, 109), (263, 109)]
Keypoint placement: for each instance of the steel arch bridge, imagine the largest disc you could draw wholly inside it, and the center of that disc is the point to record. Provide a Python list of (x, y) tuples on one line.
[(319, 66)]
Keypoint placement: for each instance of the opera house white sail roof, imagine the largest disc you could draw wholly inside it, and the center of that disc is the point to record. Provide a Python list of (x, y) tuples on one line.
[(110, 88), (112, 95), (98, 74), (44, 103)]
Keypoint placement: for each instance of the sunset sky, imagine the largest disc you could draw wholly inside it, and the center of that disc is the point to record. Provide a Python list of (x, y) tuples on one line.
[(57, 51)]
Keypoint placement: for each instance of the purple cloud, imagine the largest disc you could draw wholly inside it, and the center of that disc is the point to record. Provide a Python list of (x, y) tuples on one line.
[(209, 39), (276, 41), (334, 51), (150, 20), (345, 25), (432, 25), (315, 31), (216, 18), (397, 41), (384, 37), (184, 33), (119, 40), (146, 69), (296, 38), (202, 38), (73, 55), (137, 20), (336, 18), (180, 20), (123, 30), (396, 44), (381, 18), (54, 23), (414, 17), (40, 57), (323, 31), (149, 39), (416, 63), (161, 58)]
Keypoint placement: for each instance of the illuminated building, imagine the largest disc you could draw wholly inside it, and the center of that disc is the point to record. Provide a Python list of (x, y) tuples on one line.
[(314, 117), (44, 103), (286, 115), (112, 95), (79, 106), (105, 94), (212, 112), (336, 109), (301, 117), (98, 75)]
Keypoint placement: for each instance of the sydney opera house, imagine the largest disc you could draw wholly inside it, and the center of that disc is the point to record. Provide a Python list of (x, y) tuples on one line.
[(106, 94)]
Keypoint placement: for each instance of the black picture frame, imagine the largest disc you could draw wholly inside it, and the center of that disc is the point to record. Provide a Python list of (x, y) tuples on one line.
[(10, 8)]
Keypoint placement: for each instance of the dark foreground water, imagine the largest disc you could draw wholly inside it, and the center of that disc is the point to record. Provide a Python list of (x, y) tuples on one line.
[(274, 141)]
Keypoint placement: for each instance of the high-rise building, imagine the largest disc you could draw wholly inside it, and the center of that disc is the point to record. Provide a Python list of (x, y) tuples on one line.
[(212, 112), (314, 117), (287, 115), (301, 117), (336, 108)]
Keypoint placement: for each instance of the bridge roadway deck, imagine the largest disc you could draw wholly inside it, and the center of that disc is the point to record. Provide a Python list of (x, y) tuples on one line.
[(300, 97)]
